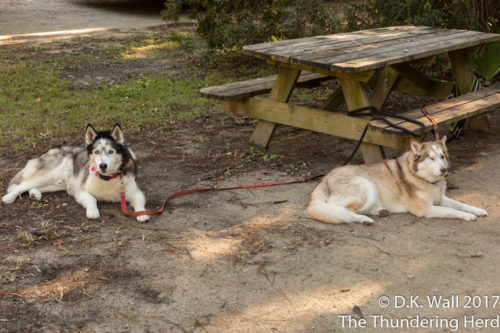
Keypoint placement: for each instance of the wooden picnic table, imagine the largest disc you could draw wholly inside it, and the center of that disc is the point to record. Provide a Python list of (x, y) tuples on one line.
[(369, 65)]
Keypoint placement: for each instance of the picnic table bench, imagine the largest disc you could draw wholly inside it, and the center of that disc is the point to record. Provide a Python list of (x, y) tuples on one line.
[(369, 65)]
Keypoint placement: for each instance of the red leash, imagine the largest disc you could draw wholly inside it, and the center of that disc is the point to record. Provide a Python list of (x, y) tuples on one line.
[(433, 121), (198, 190)]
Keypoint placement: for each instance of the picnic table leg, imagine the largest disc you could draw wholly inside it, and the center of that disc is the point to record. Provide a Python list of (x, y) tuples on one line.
[(384, 82), (464, 74), (334, 101), (281, 92), (356, 97)]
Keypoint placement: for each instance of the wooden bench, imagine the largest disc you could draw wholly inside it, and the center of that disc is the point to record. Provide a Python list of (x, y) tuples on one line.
[(245, 89), (472, 106), (446, 112)]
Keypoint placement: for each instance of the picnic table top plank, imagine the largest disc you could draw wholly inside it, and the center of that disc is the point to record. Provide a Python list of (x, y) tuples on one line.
[(325, 50), (423, 49), (332, 43), (348, 53), (335, 59), (262, 47)]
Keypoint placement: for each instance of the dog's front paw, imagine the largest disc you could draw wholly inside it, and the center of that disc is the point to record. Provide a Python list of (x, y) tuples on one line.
[(468, 217), (9, 198), (36, 194), (365, 220), (478, 211), (142, 218), (92, 212)]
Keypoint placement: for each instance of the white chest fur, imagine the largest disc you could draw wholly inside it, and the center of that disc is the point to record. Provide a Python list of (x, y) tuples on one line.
[(104, 190)]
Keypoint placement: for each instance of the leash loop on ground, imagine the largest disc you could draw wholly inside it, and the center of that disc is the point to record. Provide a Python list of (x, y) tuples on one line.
[(123, 199)]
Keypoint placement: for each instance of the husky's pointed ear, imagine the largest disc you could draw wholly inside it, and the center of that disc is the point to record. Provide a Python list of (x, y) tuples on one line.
[(117, 134), (90, 134), (416, 147), (443, 140)]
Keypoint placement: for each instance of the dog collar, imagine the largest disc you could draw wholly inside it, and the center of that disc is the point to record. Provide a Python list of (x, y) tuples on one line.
[(104, 177)]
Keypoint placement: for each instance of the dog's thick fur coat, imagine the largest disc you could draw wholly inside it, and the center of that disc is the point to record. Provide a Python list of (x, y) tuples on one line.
[(412, 183), (87, 173)]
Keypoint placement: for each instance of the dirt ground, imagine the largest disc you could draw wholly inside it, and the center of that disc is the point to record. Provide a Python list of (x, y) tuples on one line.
[(246, 260)]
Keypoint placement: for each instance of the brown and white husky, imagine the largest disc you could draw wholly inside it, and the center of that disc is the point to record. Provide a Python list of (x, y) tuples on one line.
[(412, 183), (89, 173)]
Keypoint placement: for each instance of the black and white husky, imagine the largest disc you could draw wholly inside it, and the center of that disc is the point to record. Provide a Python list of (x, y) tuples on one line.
[(88, 173)]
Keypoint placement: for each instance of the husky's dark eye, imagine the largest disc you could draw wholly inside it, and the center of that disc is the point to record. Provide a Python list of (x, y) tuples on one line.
[(111, 152), (442, 156), (96, 152)]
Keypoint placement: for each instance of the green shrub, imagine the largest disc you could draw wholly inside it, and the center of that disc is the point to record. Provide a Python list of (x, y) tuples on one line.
[(226, 24), (483, 15)]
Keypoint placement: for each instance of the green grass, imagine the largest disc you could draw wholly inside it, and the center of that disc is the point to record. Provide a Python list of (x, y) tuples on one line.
[(36, 103), (40, 100)]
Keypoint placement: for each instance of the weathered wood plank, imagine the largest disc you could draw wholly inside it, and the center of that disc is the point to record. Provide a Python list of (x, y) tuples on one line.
[(435, 88), (415, 45), (412, 51), (313, 119), (462, 69), (334, 45), (382, 86), (334, 101), (249, 88), (443, 106), (281, 92), (262, 48), (465, 77), (360, 76), (372, 153), (451, 114), (424, 85), (357, 97), (262, 133), (326, 56), (457, 113)]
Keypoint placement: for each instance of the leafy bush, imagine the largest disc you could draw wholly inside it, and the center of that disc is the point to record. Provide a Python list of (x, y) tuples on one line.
[(225, 24), (481, 15)]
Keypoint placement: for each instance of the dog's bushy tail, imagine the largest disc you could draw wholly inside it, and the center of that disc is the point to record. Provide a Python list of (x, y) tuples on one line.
[(330, 213)]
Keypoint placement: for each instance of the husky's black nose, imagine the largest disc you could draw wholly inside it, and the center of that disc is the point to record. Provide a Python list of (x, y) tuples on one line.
[(103, 166), (444, 171)]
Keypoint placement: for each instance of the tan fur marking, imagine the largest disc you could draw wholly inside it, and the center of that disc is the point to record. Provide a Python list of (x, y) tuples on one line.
[(407, 187), (419, 159)]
